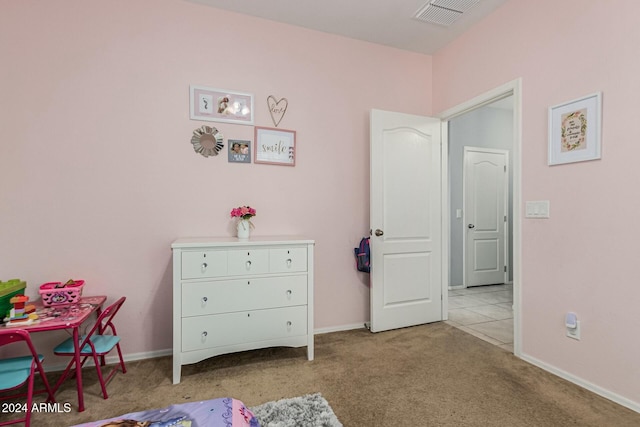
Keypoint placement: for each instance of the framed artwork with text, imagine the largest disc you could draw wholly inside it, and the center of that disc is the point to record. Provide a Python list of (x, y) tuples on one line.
[(575, 130), (275, 146)]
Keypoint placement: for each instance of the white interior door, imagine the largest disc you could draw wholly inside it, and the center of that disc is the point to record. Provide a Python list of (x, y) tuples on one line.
[(406, 212), (486, 185)]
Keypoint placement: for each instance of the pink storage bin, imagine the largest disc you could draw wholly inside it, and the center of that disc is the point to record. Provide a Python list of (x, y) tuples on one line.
[(58, 293)]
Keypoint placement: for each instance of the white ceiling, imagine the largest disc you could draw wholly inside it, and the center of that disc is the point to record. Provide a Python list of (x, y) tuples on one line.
[(385, 22)]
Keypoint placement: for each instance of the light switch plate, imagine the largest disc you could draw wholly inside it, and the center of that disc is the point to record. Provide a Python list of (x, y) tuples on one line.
[(537, 209)]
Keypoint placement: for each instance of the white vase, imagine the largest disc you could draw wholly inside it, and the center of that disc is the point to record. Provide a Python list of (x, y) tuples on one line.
[(244, 229)]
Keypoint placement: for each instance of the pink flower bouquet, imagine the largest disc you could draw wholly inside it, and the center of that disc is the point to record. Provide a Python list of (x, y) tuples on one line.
[(243, 212)]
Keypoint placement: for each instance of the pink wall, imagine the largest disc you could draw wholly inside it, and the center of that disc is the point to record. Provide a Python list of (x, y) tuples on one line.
[(583, 258), (97, 173)]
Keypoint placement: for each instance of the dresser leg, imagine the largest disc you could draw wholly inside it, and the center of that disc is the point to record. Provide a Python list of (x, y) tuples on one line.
[(177, 370), (310, 348)]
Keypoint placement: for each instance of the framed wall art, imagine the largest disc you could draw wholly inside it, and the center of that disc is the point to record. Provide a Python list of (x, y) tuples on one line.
[(220, 105), (275, 146), (239, 151), (575, 130)]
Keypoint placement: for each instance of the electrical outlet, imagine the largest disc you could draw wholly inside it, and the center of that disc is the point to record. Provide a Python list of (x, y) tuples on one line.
[(574, 332)]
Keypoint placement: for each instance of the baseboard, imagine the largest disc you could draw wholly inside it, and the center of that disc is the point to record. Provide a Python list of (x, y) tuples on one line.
[(621, 400), (114, 359), (339, 328)]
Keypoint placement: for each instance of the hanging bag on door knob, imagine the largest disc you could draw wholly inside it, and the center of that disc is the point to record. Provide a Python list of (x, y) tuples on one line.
[(363, 254)]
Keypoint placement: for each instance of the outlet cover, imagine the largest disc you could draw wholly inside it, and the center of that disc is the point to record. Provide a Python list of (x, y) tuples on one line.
[(575, 332)]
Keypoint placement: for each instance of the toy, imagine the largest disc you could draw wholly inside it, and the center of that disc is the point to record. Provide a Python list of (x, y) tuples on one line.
[(57, 293), (8, 290), (21, 313)]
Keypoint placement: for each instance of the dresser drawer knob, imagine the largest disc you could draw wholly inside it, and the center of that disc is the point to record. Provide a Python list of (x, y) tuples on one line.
[(289, 293), (289, 325), (204, 335), (204, 300), (248, 264), (289, 263), (204, 267)]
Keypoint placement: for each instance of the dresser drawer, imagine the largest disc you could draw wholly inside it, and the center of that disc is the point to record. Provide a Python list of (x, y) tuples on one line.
[(286, 260), (203, 264), (248, 261), (226, 296), (220, 330)]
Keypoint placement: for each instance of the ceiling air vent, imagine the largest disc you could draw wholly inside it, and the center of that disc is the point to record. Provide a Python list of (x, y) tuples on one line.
[(444, 12)]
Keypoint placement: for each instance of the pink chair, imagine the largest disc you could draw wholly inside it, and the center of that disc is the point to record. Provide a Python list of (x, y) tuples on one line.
[(96, 344), (17, 371)]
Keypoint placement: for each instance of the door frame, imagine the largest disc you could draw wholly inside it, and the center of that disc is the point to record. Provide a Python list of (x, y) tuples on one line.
[(512, 88), (465, 240)]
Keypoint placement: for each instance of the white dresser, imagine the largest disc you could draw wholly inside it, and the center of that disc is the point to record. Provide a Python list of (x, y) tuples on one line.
[(231, 295)]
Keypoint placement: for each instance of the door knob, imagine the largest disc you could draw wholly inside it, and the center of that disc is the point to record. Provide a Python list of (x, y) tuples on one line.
[(471, 226), (379, 232)]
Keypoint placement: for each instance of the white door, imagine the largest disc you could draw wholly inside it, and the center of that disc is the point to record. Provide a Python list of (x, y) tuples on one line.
[(486, 186), (406, 213)]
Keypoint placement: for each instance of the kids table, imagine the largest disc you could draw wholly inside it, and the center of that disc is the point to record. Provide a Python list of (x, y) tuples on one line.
[(69, 316)]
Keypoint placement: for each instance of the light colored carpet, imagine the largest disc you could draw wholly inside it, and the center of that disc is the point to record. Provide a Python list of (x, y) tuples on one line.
[(429, 375), (311, 410)]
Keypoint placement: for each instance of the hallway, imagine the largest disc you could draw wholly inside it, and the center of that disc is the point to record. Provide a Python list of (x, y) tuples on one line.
[(485, 312)]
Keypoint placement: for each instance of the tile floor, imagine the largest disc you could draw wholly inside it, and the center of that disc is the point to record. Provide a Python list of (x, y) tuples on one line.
[(485, 312)]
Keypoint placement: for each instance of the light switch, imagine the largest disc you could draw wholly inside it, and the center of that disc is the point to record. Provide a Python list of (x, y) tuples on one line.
[(458, 213), (537, 209)]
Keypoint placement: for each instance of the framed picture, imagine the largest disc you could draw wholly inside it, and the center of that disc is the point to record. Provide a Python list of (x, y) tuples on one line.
[(239, 151), (220, 105), (275, 146), (575, 130)]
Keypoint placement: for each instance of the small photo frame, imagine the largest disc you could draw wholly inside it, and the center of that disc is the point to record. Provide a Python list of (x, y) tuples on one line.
[(575, 130), (239, 151), (275, 146), (220, 105)]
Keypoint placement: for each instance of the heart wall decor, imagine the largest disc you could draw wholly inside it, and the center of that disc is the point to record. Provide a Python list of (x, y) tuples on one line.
[(277, 108)]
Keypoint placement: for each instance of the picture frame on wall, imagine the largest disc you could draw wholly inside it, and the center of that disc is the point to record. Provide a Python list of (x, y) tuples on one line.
[(275, 146), (239, 151), (220, 105), (575, 130)]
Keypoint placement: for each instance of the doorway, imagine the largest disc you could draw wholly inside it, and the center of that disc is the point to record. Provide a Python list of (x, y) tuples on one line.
[(491, 120)]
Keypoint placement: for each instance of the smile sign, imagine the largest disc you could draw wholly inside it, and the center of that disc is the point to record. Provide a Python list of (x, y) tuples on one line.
[(275, 146)]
